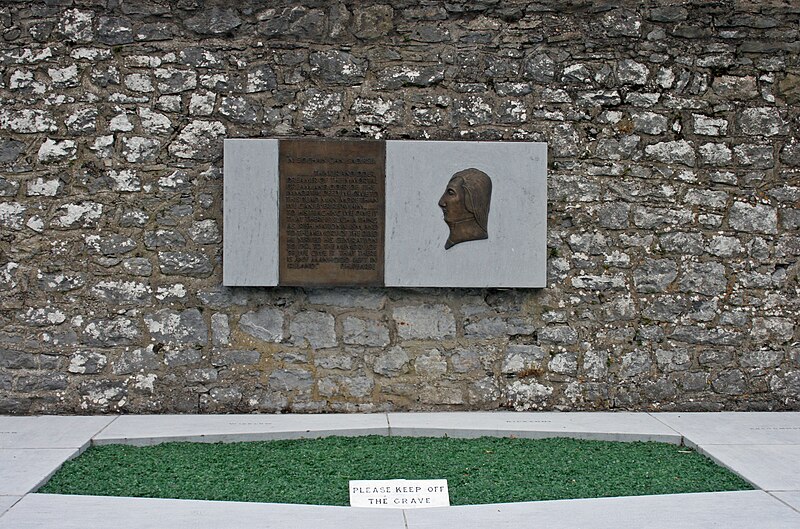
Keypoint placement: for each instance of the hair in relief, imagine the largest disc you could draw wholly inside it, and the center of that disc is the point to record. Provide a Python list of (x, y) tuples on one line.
[(465, 204)]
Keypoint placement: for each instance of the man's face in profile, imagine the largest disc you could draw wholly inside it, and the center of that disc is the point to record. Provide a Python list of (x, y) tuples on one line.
[(452, 202)]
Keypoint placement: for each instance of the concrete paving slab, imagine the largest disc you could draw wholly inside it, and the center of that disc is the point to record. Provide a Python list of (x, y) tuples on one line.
[(728, 510), (600, 426), (99, 512), (790, 498), (735, 427), (50, 431), (768, 467), (6, 502), (22, 471), (144, 430)]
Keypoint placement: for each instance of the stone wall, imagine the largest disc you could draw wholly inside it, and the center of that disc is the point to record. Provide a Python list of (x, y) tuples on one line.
[(674, 182)]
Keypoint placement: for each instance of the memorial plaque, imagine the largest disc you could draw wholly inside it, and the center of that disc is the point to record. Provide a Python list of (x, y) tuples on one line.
[(395, 213), (331, 212)]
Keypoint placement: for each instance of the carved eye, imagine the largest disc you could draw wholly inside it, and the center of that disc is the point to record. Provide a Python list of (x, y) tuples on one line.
[(451, 192)]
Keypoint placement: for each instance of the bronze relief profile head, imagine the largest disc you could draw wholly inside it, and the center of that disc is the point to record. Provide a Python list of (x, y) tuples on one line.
[(465, 204)]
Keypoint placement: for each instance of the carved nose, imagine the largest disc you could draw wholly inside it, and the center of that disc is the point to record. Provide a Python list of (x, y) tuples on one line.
[(441, 204)]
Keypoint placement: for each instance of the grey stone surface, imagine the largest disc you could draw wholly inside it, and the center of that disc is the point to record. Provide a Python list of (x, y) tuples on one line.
[(250, 236), (424, 322), (73, 512), (313, 328), (792, 499), (365, 332), (417, 174), (148, 430), (772, 467), (617, 427), (170, 326), (735, 428), (265, 324), (7, 501), (46, 432), (114, 187), (23, 470), (751, 508)]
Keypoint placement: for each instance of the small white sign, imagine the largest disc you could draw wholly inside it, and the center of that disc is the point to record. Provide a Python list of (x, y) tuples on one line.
[(399, 493)]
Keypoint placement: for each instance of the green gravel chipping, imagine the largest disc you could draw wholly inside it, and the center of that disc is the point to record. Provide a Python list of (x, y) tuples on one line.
[(485, 470)]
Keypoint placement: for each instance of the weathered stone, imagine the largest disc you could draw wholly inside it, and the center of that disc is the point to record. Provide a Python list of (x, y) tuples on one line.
[(682, 243), (486, 328), (424, 322), (524, 396), (729, 382), (613, 215), (10, 150), (622, 23), (715, 154), (265, 324), (430, 364), (123, 293), (704, 278), (87, 363), (558, 335), (672, 152), (177, 327), (114, 30), (522, 360), (700, 335), (260, 78), (214, 21), (673, 360), (371, 333), (76, 25), (205, 232), (564, 364), (81, 122), (192, 264), (392, 362), (636, 363), (348, 298), (117, 331), (753, 218), (707, 126), (220, 329), (27, 121), (649, 122), (372, 22), (655, 275), (12, 359), (764, 121), (173, 80), (138, 266), (754, 156), (668, 14), (163, 239), (313, 328), (632, 72), (772, 330), (236, 357), (789, 88), (321, 110), (398, 76), (358, 387)]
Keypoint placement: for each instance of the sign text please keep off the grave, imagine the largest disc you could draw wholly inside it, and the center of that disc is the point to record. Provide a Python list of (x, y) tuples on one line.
[(399, 493)]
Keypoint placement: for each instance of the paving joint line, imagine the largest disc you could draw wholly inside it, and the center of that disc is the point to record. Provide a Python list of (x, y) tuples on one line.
[(792, 507), (683, 437), (103, 429)]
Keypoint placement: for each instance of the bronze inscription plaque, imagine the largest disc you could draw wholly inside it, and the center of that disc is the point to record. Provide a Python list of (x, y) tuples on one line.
[(331, 212)]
